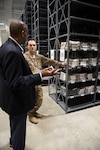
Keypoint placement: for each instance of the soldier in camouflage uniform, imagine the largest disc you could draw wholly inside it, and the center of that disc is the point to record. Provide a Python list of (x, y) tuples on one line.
[(36, 61)]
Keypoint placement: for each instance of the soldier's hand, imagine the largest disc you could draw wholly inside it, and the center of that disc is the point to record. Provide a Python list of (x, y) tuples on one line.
[(64, 63)]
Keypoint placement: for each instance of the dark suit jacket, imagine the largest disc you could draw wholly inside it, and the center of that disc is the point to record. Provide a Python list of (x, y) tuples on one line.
[(16, 80)]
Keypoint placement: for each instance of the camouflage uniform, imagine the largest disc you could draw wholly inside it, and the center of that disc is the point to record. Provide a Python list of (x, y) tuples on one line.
[(35, 64)]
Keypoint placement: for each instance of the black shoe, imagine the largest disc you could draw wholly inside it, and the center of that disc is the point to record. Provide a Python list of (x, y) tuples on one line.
[(11, 145)]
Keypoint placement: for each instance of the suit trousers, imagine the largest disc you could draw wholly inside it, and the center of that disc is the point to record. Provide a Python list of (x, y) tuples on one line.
[(18, 131)]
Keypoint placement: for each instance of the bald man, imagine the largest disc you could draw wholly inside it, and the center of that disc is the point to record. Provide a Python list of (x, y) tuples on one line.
[(17, 83)]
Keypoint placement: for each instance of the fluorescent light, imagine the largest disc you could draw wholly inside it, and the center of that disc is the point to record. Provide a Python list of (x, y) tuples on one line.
[(2, 24)]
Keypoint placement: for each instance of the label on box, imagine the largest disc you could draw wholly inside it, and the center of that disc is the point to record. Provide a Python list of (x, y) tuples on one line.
[(62, 54)]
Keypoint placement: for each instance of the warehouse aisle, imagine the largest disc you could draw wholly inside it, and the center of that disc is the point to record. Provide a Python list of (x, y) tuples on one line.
[(56, 130)]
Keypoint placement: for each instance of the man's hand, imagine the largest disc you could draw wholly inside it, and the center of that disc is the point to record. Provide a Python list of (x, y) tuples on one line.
[(50, 71)]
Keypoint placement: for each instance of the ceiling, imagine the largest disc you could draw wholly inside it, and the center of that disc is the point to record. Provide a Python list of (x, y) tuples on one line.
[(10, 9)]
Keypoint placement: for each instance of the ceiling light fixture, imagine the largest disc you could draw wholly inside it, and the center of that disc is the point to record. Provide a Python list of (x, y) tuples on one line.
[(2, 24)]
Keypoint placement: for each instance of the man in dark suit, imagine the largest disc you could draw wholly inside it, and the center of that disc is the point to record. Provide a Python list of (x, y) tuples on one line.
[(17, 83)]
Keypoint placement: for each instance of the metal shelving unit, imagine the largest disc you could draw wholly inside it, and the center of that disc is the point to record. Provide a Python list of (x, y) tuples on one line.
[(26, 17), (75, 21), (35, 16), (39, 30)]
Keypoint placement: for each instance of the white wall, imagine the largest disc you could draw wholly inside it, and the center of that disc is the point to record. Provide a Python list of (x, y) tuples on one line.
[(4, 33), (0, 39)]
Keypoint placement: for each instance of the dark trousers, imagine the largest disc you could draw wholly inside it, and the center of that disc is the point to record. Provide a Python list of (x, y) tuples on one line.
[(18, 131)]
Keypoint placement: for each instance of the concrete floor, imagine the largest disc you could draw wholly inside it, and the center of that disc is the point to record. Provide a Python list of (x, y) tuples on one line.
[(79, 130)]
